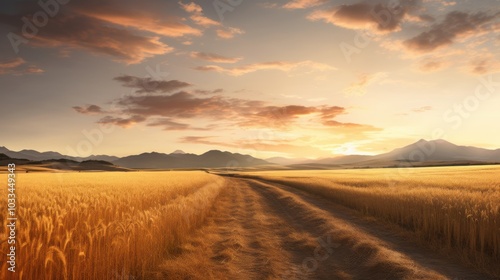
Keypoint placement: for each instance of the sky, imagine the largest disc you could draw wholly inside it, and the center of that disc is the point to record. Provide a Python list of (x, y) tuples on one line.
[(290, 78)]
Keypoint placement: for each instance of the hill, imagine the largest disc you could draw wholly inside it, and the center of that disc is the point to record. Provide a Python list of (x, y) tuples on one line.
[(210, 159)]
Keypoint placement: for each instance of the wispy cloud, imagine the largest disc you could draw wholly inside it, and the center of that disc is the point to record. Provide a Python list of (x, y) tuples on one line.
[(88, 109), (212, 57), (363, 81), (17, 66), (482, 64), (229, 32), (285, 66), (432, 64), (149, 85), (122, 122), (302, 4), (197, 15), (422, 109), (169, 27)]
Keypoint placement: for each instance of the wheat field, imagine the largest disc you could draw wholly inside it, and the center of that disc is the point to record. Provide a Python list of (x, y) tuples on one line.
[(104, 225), (127, 225), (456, 209)]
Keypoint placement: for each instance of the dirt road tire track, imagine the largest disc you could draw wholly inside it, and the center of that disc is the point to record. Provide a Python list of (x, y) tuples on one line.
[(263, 230)]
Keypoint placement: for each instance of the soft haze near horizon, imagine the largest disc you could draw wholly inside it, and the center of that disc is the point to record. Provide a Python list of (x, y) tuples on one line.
[(297, 78)]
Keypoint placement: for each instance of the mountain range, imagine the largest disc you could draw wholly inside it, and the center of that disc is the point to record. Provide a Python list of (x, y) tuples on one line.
[(38, 156), (153, 160), (210, 159), (420, 153)]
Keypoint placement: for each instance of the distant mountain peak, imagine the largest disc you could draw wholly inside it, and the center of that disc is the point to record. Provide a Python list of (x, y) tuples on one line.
[(435, 141), (178, 152)]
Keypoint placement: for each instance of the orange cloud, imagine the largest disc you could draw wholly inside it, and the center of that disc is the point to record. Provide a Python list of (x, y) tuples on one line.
[(15, 67), (197, 15), (212, 57), (302, 4), (229, 32), (122, 122), (145, 22), (169, 111), (483, 64), (284, 66), (168, 125), (13, 63), (379, 17), (432, 65), (107, 28), (90, 34), (364, 80)]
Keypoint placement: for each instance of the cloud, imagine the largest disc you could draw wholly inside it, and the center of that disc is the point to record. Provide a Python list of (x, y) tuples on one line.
[(186, 105), (284, 66), (11, 64), (381, 17), (122, 122), (169, 111), (201, 91), (192, 110), (192, 8), (197, 15), (114, 28), (169, 27), (255, 145), (432, 65), (364, 80), (276, 116), (302, 4), (149, 85), (17, 66), (448, 3), (422, 109), (483, 64), (228, 33), (212, 57), (168, 124), (454, 26), (86, 33), (89, 109), (350, 127)]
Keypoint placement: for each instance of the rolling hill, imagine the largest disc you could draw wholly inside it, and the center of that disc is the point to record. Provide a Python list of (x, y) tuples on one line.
[(210, 159)]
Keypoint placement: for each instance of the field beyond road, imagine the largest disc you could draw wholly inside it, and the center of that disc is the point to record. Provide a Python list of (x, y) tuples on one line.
[(421, 223)]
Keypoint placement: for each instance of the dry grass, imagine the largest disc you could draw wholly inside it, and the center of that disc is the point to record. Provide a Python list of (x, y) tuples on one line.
[(456, 209), (104, 225)]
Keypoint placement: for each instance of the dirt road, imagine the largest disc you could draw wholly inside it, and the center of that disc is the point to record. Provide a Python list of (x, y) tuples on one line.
[(262, 230)]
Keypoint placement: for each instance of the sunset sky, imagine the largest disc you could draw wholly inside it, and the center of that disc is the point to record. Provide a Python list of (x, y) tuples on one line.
[(295, 78)]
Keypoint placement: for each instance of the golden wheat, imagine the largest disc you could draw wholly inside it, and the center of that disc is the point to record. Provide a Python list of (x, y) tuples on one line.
[(452, 208), (104, 225)]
